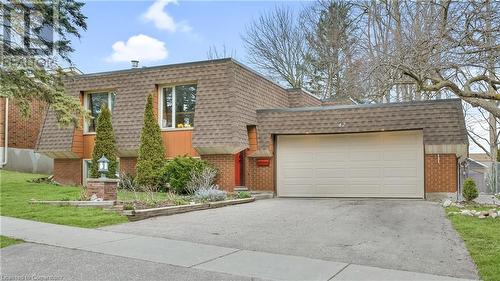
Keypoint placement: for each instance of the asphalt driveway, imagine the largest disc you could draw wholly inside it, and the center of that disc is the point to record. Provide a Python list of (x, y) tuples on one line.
[(408, 235)]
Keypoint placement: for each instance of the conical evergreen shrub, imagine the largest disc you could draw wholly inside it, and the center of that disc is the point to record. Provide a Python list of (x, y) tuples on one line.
[(469, 190), (104, 144), (151, 152)]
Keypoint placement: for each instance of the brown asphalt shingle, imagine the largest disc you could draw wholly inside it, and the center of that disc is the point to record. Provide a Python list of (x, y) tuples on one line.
[(442, 121)]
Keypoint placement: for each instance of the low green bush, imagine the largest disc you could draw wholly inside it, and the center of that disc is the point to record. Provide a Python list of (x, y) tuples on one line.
[(469, 191), (243, 194), (177, 172)]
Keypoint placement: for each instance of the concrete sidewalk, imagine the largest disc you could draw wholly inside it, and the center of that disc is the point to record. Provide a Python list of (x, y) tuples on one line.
[(199, 256)]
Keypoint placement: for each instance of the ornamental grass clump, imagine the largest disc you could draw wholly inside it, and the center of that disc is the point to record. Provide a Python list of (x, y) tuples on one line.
[(202, 185), (469, 191), (210, 194)]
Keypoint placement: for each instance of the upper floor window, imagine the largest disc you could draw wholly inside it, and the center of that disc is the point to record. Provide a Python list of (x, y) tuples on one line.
[(177, 106), (93, 103)]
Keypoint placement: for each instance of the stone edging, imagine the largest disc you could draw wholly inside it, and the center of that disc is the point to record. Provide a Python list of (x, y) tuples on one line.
[(135, 215), (102, 204)]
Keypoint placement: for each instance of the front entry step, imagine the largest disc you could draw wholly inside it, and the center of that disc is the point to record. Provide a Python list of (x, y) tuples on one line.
[(259, 195), (240, 188)]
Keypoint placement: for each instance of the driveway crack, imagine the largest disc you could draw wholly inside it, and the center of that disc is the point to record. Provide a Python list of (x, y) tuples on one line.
[(339, 271), (225, 255)]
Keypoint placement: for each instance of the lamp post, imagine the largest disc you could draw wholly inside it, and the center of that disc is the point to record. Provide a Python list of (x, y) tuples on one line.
[(103, 166)]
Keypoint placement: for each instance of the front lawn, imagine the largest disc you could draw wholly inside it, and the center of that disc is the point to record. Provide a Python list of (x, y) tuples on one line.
[(482, 238), (16, 192), (7, 241)]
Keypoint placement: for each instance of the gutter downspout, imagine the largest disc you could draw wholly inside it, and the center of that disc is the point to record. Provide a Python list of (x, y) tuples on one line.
[(6, 135)]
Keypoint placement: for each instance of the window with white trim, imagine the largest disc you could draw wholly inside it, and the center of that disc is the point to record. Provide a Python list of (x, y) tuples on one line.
[(177, 105), (93, 102)]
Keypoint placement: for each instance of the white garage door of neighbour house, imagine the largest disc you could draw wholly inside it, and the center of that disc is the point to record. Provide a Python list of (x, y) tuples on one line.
[(385, 164)]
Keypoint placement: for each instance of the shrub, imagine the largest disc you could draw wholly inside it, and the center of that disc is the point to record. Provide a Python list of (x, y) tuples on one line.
[(178, 172), (210, 194), (201, 179), (127, 182), (243, 194), (151, 151), (104, 144), (470, 191)]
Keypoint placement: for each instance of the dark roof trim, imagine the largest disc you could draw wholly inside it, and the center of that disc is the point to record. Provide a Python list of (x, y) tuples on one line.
[(142, 69), (183, 64), (304, 91), (356, 106)]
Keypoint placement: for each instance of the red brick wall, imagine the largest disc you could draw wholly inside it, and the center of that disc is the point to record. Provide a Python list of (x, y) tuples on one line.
[(259, 177), (68, 171), (440, 173), (225, 164), (23, 131), (127, 165)]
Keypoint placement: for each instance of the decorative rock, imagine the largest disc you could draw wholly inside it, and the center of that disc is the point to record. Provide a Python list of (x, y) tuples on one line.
[(447, 203), (481, 217), (484, 213), (93, 197), (467, 213), (494, 215)]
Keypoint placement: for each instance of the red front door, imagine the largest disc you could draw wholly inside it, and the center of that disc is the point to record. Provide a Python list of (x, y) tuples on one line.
[(238, 167)]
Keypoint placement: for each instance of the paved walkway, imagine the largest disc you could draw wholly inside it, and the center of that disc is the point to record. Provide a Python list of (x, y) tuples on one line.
[(199, 256)]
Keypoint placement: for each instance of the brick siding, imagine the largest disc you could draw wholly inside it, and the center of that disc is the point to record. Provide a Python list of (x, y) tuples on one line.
[(23, 131), (127, 165), (440, 173), (225, 164), (259, 177), (68, 171)]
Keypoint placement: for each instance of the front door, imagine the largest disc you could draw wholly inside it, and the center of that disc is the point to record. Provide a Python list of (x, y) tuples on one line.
[(238, 169)]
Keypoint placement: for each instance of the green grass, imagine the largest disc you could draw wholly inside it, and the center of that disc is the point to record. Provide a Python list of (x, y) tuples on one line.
[(482, 238), (7, 241), (16, 192)]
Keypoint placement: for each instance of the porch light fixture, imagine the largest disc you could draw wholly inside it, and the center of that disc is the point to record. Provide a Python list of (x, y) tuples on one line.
[(103, 166)]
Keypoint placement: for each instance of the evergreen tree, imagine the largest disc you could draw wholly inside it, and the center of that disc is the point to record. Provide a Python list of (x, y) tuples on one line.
[(104, 144), (151, 152)]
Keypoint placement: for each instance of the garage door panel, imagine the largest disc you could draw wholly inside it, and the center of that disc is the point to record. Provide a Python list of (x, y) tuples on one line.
[(330, 157), (408, 154), (362, 173), (368, 155), (387, 164), (291, 173), (329, 173), (400, 172), (298, 156)]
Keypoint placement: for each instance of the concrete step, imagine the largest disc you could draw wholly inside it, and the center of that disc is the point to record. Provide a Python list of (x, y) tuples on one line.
[(240, 188), (259, 195)]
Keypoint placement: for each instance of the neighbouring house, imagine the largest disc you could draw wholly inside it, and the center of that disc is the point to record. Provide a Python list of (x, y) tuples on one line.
[(18, 138), (265, 137)]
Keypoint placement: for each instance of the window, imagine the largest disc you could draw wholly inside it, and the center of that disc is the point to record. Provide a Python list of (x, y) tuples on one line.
[(177, 106), (93, 103)]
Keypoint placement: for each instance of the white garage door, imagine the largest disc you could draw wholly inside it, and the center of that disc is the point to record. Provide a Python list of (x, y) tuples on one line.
[(388, 164)]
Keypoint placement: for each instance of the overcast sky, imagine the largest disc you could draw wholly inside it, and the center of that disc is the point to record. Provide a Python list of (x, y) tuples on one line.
[(163, 31)]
